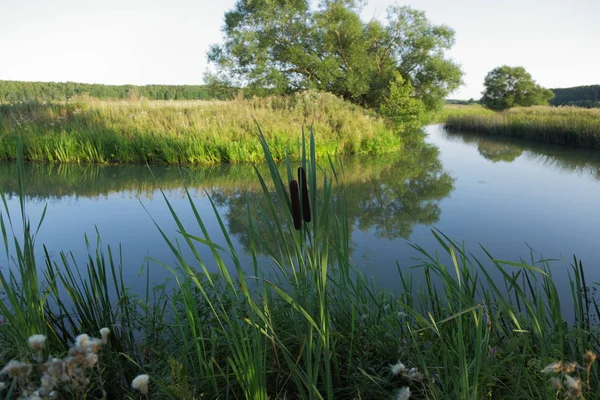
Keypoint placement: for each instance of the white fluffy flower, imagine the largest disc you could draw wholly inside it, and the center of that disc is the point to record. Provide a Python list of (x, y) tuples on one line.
[(553, 368), (81, 341), (17, 369), (398, 368), (104, 332), (141, 383), (37, 342), (402, 394)]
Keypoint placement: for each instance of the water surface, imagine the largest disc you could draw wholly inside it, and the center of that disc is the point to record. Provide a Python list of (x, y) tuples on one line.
[(509, 196)]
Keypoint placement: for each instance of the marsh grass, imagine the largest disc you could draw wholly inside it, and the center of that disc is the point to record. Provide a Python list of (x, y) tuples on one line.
[(88, 130), (558, 125), (457, 110), (306, 323)]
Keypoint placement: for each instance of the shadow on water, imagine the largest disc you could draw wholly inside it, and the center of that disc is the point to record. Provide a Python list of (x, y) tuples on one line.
[(557, 157)]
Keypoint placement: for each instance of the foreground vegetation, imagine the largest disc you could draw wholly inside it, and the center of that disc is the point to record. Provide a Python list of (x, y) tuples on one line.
[(92, 131), (311, 327), (559, 125)]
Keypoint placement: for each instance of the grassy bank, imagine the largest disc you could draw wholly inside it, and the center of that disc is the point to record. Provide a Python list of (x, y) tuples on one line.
[(188, 132), (559, 125), (305, 325)]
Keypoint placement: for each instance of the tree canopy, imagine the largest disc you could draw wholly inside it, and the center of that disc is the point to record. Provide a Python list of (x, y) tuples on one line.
[(286, 45), (507, 87)]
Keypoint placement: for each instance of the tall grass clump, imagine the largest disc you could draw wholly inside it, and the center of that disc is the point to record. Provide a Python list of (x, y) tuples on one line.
[(570, 126), (303, 322), (86, 130)]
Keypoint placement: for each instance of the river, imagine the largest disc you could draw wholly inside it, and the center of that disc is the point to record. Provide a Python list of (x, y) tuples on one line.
[(511, 197)]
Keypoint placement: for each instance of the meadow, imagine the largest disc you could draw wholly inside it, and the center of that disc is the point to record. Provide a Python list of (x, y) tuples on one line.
[(572, 126), (87, 130), (306, 325)]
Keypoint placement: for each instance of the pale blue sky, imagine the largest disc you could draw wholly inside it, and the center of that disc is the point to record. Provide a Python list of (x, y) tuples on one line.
[(150, 41)]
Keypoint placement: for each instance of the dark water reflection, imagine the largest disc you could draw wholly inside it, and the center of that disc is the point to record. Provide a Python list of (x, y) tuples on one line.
[(507, 195)]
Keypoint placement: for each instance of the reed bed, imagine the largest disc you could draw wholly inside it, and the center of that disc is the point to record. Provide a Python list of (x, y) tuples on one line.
[(448, 110), (570, 126), (86, 130), (305, 323)]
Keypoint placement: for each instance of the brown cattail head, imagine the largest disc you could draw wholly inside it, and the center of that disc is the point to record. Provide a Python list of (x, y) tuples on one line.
[(305, 200), (296, 212)]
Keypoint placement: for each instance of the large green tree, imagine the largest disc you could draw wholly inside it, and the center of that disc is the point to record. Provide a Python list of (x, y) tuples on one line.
[(507, 87), (286, 45)]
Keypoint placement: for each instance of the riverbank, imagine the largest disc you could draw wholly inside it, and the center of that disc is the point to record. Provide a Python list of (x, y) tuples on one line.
[(88, 130), (306, 322), (558, 125)]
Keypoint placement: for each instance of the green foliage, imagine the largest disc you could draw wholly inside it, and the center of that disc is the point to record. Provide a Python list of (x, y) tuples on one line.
[(159, 132), (564, 125), (401, 107), (579, 96), (288, 46), (17, 91), (507, 87)]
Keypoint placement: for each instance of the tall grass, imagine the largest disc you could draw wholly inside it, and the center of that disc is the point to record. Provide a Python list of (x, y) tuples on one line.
[(306, 323), (458, 110), (188, 132), (560, 125)]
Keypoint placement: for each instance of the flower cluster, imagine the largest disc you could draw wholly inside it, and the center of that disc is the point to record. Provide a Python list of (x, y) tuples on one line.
[(563, 379), (55, 372)]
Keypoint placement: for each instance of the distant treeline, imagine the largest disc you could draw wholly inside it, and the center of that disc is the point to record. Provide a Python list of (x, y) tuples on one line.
[(24, 91), (462, 102), (579, 96)]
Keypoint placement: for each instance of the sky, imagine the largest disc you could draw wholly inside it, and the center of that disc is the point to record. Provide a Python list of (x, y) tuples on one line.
[(165, 41)]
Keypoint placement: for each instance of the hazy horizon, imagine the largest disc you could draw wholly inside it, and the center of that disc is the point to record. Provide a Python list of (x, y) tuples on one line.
[(149, 42)]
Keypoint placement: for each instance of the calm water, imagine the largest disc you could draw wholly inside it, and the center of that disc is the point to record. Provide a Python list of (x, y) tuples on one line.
[(508, 196)]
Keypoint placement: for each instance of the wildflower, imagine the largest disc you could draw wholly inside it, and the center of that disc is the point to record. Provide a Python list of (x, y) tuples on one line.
[(398, 368), (569, 367), (37, 342), (91, 360), (573, 386), (94, 345), (553, 368), (81, 341), (141, 383), (414, 375), (589, 357), (104, 332), (17, 369), (402, 394)]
